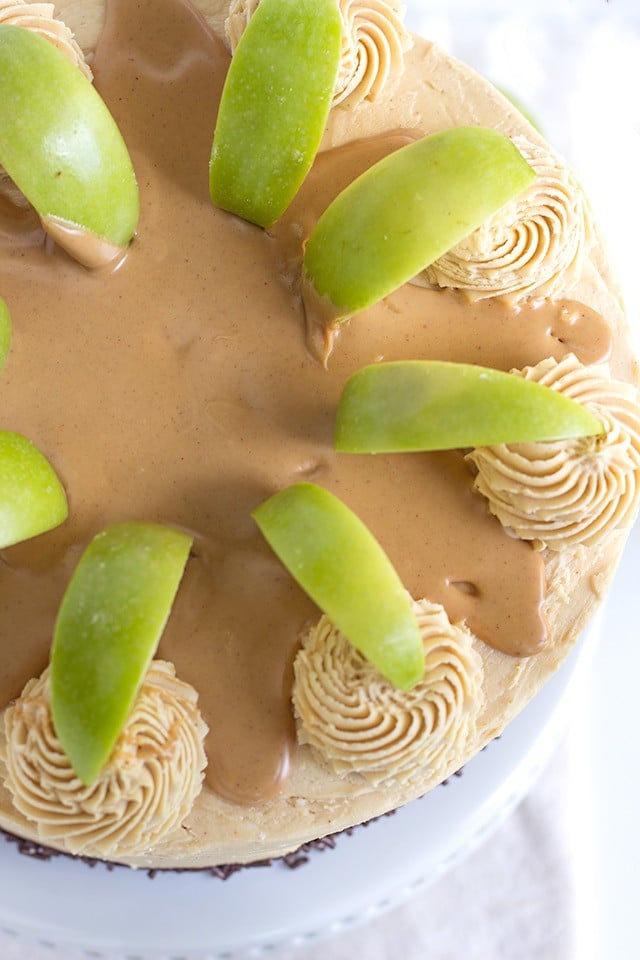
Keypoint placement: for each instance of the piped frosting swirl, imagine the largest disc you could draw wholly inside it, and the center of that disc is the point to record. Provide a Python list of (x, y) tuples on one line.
[(144, 793), (361, 723), (374, 41), (565, 492), (39, 17), (526, 246)]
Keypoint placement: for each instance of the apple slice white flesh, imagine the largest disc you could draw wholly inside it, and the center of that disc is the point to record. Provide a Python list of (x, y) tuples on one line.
[(343, 568), (60, 144), (108, 627), (274, 107), (5, 332), (32, 499), (407, 210), (436, 405)]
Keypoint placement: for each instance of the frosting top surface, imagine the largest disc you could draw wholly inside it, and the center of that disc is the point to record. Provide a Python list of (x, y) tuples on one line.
[(196, 397)]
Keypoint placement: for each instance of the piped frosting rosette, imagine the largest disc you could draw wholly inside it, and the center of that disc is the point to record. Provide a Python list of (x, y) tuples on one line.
[(374, 41), (362, 724), (568, 492), (144, 793), (526, 246), (39, 17)]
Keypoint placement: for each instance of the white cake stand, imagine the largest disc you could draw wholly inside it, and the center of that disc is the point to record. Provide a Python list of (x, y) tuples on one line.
[(122, 913)]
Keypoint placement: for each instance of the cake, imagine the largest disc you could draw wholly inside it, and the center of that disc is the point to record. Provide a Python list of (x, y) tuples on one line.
[(179, 385)]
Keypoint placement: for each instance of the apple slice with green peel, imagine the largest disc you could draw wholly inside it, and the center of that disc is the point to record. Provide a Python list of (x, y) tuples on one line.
[(108, 627), (274, 107), (343, 568), (61, 146), (32, 499), (407, 211), (5, 332), (436, 405)]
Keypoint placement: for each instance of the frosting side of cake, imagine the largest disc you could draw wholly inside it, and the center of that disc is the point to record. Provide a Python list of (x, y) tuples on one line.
[(197, 398)]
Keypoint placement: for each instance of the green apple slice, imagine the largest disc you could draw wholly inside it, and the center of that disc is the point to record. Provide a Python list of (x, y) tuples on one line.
[(274, 107), (32, 499), (343, 568), (5, 332), (108, 627), (436, 405), (61, 146), (409, 209)]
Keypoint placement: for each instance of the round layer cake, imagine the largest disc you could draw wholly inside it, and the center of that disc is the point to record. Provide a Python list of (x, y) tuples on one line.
[(182, 387)]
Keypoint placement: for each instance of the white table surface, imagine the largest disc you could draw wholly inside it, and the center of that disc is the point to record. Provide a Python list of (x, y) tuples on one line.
[(560, 879)]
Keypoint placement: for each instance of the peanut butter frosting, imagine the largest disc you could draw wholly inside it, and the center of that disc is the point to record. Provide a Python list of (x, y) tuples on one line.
[(363, 724), (374, 41), (193, 410), (240, 13), (143, 794), (566, 492), (373, 46), (40, 18), (529, 245)]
